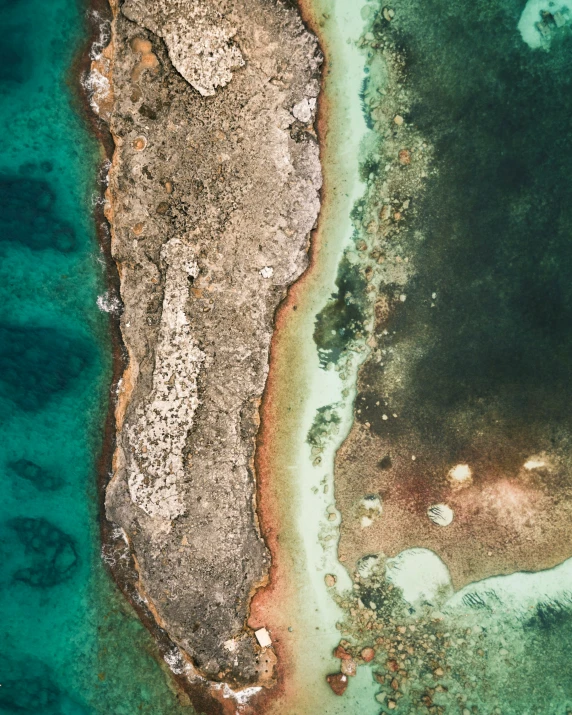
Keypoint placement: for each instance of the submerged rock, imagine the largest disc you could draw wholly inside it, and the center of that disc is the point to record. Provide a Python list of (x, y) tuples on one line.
[(368, 654), (51, 552), (43, 479), (338, 683)]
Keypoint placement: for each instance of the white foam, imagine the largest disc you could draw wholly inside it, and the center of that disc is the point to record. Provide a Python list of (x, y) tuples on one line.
[(104, 27), (98, 88), (108, 303)]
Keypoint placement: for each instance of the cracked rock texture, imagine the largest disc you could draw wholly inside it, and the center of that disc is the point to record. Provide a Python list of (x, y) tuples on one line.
[(197, 36), (213, 193)]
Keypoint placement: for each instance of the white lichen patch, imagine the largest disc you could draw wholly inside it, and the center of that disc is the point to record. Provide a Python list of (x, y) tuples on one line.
[(198, 39), (240, 696), (230, 645), (175, 661), (370, 508), (157, 436), (305, 110)]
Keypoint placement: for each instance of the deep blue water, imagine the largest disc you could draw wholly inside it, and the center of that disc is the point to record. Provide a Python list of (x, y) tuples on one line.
[(69, 643)]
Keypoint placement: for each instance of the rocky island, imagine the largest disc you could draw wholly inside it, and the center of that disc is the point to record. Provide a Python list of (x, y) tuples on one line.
[(343, 489), (213, 192)]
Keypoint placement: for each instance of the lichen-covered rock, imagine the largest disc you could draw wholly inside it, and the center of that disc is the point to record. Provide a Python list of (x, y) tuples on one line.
[(158, 433), (198, 39), (212, 195)]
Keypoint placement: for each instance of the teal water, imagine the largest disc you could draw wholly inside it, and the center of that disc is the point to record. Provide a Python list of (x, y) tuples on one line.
[(467, 223), (69, 643)]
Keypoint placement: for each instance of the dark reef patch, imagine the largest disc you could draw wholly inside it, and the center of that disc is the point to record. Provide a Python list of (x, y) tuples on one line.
[(495, 351), (15, 60), (325, 422), (29, 687), (44, 480), (38, 363), (29, 215), (52, 552), (342, 318), (551, 615)]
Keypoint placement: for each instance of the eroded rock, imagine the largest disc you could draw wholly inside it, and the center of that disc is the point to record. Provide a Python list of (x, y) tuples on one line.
[(212, 195)]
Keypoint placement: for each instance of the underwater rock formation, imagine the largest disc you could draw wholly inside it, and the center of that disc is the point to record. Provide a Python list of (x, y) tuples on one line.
[(50, 553), (39, 363), (39, 228), (44, 480)]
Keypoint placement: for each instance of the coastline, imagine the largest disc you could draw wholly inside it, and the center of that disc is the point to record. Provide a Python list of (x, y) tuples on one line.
[(125, 578), (118, 548), (296, 603), (269, 511)]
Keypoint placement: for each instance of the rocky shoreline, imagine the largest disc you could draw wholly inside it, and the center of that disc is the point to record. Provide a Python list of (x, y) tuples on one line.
[(213, 191)]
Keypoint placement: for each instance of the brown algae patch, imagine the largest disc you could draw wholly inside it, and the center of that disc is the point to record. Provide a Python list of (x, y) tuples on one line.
[(485, 489), (456, 482)]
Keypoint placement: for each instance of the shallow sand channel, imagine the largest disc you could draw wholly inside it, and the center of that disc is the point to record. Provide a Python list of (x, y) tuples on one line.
[(296, 502)]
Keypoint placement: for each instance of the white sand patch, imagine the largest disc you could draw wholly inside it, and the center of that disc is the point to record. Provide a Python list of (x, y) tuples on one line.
[(421, 576), (534, 31)]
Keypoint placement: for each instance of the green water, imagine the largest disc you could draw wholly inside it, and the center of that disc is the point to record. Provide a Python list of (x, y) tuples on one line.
[(69, 643), (469, 254)]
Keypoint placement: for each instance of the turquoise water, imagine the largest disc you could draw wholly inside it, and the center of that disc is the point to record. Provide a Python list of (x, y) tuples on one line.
[(467, 223), (69, 643)]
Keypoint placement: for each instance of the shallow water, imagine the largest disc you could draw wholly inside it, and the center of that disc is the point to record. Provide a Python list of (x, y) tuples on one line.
[(308, 405), (441, 265), (69, 642)]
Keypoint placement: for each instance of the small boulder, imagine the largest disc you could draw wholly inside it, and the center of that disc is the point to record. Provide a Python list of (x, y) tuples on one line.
[(405, 157), (349, 667), (368, 654), (338, 682), (329, 578), (342, 653)]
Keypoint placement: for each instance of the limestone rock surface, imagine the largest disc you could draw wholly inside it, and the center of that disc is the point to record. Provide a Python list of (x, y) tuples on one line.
[(213, 193)]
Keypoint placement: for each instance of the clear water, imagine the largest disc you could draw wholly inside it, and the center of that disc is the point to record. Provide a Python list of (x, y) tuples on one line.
[(69, 643), (309, 405), (480, 296)]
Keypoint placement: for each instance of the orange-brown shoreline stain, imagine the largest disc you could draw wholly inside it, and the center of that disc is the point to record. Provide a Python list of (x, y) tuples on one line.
[(272, 448)]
